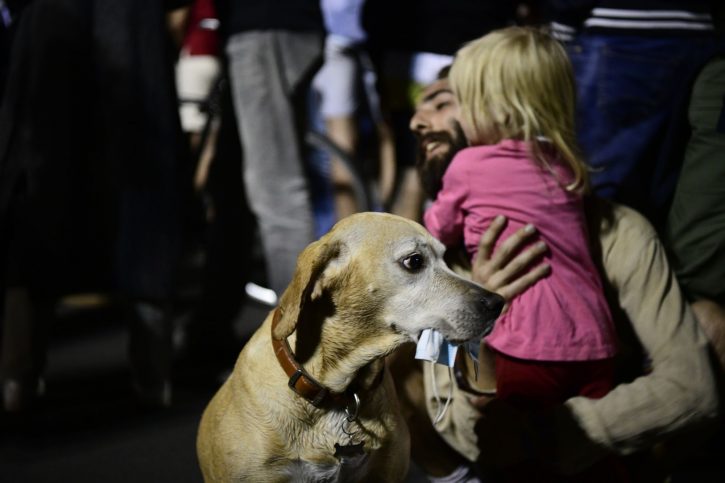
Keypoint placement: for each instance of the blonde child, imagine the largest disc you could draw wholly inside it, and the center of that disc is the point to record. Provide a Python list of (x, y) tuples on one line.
[(516, 99)]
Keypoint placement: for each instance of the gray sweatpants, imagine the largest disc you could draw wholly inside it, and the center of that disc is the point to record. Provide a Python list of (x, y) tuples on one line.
[(268, 70)]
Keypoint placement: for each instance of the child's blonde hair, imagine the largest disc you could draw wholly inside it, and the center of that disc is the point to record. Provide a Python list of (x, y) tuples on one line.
[(517, 83)]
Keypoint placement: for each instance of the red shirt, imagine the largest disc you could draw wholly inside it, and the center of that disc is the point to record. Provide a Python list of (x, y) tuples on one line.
[(200, 39)]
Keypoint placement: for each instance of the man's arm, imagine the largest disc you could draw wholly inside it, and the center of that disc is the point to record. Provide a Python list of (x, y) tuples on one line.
[(679, 393)]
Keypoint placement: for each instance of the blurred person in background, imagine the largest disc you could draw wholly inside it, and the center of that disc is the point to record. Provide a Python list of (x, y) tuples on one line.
[(273, 50), (696, 221), (91, 156), (635, 63), (198, 72), (347, 87), (695, 238)]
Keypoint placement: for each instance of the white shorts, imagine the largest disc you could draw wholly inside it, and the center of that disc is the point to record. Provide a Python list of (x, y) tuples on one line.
[(338, 79), (195, 77)]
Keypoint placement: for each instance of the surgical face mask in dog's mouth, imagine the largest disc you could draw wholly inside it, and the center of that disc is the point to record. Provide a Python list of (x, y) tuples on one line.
[(434, 348)]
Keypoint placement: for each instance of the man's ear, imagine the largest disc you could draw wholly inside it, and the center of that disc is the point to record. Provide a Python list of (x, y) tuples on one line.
[(307, 284)]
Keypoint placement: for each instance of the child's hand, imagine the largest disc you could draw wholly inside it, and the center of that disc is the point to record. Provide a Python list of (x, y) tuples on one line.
[(504, 271)]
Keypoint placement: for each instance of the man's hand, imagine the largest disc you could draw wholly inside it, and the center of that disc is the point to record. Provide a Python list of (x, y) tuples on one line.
[(711, 317), (504, 272)]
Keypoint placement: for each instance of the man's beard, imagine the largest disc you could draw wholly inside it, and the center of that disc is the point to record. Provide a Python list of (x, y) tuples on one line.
[(431, 170)]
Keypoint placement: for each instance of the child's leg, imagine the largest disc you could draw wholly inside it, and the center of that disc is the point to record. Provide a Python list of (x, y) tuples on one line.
[(532, 385), (596, 378), (537, 385)]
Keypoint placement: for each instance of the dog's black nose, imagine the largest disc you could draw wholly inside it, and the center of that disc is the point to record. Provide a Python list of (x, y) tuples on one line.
[(493, 302)]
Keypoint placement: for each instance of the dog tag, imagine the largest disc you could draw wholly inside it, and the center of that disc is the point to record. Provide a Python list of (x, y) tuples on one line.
[(349, 450)]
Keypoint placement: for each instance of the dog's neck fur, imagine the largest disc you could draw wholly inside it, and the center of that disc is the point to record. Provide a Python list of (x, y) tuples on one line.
[(355, 364)]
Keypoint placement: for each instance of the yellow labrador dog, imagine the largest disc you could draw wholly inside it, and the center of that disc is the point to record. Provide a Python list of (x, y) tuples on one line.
[(310, 398)]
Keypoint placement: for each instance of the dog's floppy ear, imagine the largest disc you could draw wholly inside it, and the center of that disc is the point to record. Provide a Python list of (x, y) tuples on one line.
[(305, 284)]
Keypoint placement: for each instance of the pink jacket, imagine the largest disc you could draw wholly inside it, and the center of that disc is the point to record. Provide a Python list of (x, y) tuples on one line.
[(563, 317)]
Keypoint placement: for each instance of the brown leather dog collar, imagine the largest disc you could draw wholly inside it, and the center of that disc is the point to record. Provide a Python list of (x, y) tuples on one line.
[(300, 381), (305, 385)]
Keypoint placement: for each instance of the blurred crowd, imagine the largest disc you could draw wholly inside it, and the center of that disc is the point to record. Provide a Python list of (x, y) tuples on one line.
[(149, 146)]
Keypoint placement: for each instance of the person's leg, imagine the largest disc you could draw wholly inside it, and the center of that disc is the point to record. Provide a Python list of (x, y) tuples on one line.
[(27, 309), (150, 351), (596, 378), (25, 325), (148, 250), (531, 385), (336, 83), (384, 185), (343, 132), (537, 385), (410, 198), (267, 69), (387, 168)]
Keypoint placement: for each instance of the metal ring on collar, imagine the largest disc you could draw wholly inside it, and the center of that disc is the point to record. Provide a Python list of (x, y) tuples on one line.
[(353, 413)]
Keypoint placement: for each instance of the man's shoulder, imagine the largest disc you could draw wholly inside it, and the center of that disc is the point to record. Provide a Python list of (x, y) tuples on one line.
[(622, 239)]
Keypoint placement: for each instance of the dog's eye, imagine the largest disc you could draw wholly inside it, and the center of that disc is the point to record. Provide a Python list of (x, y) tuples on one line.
[(413, 262)]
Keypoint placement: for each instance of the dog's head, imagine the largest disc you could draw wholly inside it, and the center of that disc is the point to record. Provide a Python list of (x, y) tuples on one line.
[(384, 276)]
